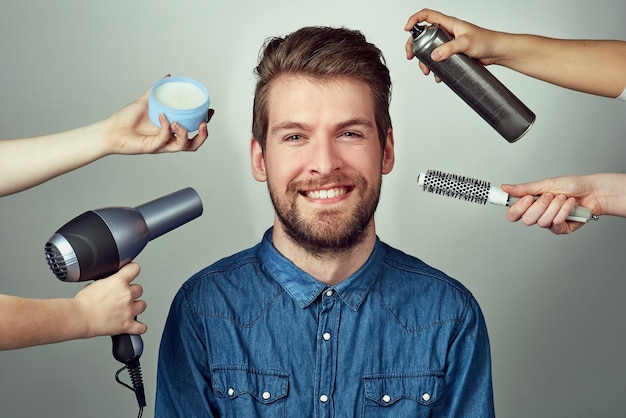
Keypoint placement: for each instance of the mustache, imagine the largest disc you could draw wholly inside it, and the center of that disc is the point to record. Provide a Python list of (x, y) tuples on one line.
[(298, 185)]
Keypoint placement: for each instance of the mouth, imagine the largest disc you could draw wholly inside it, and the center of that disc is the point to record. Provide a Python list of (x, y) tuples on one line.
[(330, 193)]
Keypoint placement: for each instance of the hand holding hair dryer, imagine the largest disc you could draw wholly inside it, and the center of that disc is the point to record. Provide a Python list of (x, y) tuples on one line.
[(99, 242)]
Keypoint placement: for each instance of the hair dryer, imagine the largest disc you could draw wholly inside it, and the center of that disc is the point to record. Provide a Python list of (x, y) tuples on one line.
[(99, 242)]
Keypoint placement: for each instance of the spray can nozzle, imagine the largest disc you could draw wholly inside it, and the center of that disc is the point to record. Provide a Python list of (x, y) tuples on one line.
[(417, 30)]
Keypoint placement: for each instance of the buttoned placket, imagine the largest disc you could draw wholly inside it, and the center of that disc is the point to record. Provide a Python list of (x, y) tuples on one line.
[(329, 314)]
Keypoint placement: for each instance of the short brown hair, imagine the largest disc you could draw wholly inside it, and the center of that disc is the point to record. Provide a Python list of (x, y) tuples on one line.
[(322, 52)]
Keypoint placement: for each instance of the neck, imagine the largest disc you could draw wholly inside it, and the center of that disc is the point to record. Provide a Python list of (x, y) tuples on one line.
[(330, 267)]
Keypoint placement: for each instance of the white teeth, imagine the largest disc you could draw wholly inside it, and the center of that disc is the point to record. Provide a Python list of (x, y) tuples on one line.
[(326, 194)]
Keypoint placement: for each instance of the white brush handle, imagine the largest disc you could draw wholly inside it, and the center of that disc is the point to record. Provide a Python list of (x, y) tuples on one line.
[(578, 214)]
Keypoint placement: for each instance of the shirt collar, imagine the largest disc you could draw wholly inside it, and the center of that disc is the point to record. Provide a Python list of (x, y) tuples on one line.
[(304, 288)]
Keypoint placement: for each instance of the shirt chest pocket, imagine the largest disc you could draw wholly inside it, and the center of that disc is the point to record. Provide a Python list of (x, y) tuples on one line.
[(402, 396), (242, 392)]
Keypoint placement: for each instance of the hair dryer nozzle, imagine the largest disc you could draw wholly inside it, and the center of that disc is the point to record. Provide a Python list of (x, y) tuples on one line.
[(171, 211)]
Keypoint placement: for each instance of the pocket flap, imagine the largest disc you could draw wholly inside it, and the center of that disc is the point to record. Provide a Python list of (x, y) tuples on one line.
[(386, 390), (266, 387)]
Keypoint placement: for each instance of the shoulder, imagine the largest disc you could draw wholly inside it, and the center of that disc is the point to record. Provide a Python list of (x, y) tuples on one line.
[(420, 295), (235, 288), (410, 270), (225, 268)]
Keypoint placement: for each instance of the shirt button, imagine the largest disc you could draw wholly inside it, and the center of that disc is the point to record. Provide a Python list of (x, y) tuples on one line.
[(231, 392), (266, 395), (326, 336), (386, 398), (324, 398), (329, 292), (426, 397)]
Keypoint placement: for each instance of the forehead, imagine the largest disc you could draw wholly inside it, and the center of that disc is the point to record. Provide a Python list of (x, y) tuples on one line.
[(317, 99)]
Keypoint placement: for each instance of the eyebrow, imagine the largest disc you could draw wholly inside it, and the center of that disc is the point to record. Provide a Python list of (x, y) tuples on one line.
[(288, 125)]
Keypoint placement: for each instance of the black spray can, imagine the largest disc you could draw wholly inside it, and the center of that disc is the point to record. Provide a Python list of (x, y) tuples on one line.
[(471, 81)]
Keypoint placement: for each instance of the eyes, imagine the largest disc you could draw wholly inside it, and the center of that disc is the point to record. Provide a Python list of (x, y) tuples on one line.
[(347, 135)]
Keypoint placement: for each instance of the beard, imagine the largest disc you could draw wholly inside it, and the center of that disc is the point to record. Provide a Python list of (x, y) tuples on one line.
[(326, 230)]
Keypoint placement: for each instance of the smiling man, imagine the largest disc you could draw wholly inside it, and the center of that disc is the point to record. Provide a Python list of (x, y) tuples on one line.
[(321, 318)]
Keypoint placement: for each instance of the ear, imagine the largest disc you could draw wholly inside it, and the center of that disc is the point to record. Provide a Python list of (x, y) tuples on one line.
[(257, 161), (388, 153)]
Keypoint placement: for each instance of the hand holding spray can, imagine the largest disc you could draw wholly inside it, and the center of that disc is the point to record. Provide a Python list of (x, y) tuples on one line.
[(471, 81)]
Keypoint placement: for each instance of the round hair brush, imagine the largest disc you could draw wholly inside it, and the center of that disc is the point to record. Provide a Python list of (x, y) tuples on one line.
[(479, 191)]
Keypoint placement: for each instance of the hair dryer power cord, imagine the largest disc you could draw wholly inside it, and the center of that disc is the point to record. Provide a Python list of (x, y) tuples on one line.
[(134, 370)]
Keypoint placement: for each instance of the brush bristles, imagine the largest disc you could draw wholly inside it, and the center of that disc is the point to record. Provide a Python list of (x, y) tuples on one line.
[(461, 187)]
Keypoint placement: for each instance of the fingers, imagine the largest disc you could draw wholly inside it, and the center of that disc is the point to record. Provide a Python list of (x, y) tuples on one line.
[(515, 212), (197, 141), (565, 209), (137, 328), (551, 206), (203, 133), (421, 16), (177, 137), (129, 272), (548, 211), (541, 211), (408, 48), (426, 15), (439, 53)]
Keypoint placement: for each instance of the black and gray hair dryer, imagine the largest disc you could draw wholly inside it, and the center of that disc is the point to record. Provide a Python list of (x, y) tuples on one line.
[(99, 242)]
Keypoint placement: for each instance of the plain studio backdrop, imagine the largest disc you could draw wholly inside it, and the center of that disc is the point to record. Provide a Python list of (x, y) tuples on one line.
[(554, 305)]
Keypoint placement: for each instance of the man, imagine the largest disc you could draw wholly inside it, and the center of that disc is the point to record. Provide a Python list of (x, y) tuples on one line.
[(321, 318)]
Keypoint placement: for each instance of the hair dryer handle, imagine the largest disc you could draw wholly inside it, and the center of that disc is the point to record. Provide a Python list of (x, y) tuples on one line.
[(127, 347)]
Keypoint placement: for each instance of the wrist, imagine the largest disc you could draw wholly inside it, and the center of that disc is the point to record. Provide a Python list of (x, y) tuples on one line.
[(102, 132), (81, 318), (508, 49), (610, 191)]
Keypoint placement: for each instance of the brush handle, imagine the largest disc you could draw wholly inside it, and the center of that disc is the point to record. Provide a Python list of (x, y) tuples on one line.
[(578, 214)]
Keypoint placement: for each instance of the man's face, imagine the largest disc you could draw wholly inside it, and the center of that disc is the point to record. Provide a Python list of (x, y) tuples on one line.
[(323, 161)]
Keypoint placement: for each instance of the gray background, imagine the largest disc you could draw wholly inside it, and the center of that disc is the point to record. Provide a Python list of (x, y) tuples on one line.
[(554, 305)]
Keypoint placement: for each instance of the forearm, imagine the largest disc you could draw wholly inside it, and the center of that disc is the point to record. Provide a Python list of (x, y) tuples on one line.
[(29, 322), (27, 162), (591, 66)]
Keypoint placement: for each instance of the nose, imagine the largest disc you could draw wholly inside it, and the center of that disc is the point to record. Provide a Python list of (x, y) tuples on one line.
[(325, 156)]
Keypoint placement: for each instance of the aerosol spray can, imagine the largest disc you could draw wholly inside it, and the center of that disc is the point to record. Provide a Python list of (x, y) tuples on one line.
[(471, 81)]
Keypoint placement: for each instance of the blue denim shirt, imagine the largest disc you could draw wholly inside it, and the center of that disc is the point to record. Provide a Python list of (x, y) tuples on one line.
[(255, 336)]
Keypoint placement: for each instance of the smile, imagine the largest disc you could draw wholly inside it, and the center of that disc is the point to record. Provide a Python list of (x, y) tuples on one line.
[(327, 194)]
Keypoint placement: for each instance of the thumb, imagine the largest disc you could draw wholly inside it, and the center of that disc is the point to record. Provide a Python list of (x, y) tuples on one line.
[(445, 51), (522, 189)]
